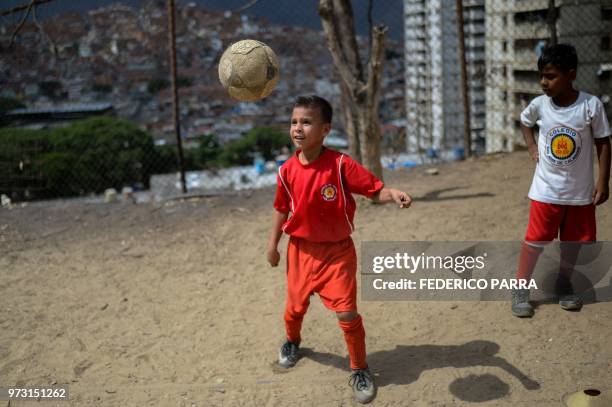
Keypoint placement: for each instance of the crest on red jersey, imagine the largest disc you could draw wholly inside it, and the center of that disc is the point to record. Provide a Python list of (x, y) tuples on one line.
[(329, 192)]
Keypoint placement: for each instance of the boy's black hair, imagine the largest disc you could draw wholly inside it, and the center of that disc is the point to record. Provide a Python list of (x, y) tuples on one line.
[(561, 56), (316, 102)]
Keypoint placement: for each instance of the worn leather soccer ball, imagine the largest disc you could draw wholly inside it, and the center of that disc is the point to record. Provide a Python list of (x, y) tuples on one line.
[(249, 70)]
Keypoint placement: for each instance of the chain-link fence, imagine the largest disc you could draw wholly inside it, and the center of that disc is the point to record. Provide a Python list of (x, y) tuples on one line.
[(87, 103)]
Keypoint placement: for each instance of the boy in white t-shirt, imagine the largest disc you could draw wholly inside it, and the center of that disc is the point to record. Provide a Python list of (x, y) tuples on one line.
[(563, 194)]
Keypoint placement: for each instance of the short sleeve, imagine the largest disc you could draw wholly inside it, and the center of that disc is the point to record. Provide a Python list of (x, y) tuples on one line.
[(282, 200), (529, 116), (599, 122), (358, 179)]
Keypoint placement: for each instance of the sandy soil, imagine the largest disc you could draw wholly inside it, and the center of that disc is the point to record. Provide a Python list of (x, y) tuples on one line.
[(175, 305)]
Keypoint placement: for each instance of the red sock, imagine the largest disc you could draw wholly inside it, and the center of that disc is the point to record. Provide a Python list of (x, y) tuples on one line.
[(354, 335), (293, 326), (527, 260)]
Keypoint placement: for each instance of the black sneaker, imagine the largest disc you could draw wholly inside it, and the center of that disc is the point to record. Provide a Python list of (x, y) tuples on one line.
[(520, 304), (364, 388), (288, 354), (570, 302)]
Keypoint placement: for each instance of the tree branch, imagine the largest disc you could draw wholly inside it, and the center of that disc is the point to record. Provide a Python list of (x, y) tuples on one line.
[(342, 55), (21, 23), (246, 6), (23, 7), (370, 25)]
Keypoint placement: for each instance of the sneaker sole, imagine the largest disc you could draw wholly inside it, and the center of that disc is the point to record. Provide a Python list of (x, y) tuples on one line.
[(367, 400), (523, 313), (571, 307), (286, 364)]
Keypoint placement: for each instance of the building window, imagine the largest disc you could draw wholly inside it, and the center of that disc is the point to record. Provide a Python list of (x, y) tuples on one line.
[(605, 43), (505, 46), (606, 12)]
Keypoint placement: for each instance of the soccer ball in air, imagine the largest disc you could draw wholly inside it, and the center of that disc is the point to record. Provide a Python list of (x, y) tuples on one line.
[(249, 70)]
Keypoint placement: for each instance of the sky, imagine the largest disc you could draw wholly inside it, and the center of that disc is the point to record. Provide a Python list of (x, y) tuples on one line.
[(288, 12)]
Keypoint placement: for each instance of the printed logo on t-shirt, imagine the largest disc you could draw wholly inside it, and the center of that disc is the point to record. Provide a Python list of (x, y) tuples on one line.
[(329, 192), (563, 146)]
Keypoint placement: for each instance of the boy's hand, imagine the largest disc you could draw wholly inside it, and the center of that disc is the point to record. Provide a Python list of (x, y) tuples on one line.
[(273, 256), (533, 152), (601, 193), (403, 199)]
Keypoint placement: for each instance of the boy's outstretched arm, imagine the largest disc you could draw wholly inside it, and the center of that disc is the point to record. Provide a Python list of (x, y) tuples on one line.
[(602, 188), (532, 146), (386, 195), (273, 255)]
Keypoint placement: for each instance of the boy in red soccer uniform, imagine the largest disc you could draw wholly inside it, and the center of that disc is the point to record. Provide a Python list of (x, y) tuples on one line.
[(563, 194), (315, 186)]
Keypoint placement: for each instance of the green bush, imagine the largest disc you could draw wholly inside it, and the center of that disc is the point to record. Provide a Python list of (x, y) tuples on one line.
[(86, 156), (166, 159), (207, 153), (20, 166), (7, 104), (103, 152), (266, 141)]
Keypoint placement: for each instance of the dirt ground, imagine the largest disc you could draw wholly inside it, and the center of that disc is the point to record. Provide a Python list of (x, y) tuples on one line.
[(174, 305)]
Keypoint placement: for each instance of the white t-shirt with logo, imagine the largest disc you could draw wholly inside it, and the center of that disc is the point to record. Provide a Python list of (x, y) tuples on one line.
[(564, 173)]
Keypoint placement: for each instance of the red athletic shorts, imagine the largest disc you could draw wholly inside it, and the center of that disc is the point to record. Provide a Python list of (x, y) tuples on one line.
[(328, 268), (570, 223)]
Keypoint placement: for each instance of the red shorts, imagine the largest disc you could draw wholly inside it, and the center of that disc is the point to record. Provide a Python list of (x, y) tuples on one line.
[(570, 223), (328, 268)]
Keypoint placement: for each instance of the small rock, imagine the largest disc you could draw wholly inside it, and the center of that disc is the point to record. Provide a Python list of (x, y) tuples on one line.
[(5, 200), (105, 306), (125, 299), (432, 171), (110, 195), (454, 306)]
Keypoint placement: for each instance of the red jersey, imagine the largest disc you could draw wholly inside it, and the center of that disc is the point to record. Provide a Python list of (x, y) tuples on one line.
[(318, 195)]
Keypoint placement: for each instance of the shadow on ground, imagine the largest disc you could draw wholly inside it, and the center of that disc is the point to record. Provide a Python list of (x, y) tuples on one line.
[(435, 195), (404, 365)]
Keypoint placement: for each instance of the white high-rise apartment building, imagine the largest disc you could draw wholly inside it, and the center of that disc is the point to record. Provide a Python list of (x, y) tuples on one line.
[(434, 101), (517, 30)]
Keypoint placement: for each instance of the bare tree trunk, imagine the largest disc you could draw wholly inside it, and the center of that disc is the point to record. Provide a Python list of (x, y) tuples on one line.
[(361, 94), (351, 122), (22, 7)]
